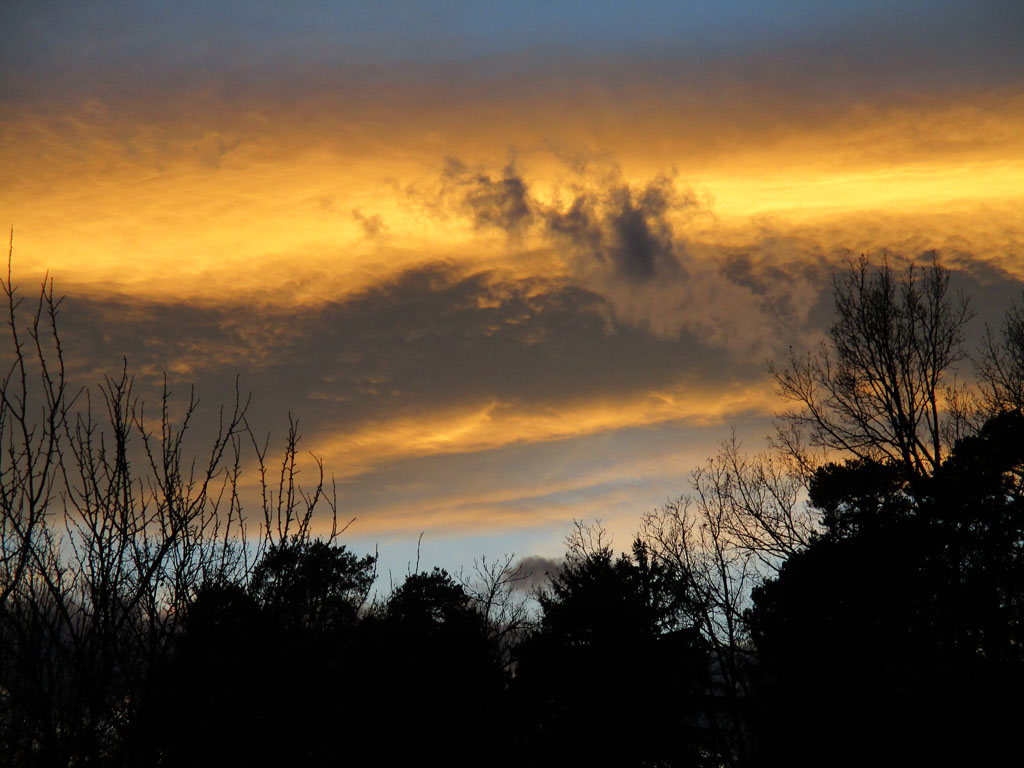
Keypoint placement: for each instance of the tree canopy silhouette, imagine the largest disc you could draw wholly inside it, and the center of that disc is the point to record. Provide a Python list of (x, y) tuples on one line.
[(899, 631), (311, 583), (614, 647)]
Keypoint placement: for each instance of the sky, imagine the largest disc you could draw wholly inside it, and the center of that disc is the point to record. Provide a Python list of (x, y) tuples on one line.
[(508, 264)]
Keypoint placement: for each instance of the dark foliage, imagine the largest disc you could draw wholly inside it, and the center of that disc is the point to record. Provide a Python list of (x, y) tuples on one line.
[(207, 699), (613, 658), (432, 677), (897, 636), (312, 585), (252, 668)]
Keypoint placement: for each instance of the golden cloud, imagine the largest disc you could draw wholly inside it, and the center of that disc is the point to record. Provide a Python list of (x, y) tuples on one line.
[(491, 425), (224, 209)]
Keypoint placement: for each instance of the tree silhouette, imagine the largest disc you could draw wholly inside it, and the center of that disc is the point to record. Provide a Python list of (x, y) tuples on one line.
[(702, 541), (206, 702), (613, 657), (1000, 365), (431, 675), (109, 533), (312, 584), (896, 636), (493, 587), (876, 389), (289, 641)]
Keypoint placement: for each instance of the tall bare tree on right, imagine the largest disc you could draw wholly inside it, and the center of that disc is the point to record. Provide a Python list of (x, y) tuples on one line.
[(876, 388)]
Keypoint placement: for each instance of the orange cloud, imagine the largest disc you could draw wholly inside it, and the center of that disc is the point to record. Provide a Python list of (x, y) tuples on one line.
[(614, 488), (248, 206), (493, 424)]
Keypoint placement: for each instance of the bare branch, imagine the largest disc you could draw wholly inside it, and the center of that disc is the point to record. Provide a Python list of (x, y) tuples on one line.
[(876, 389)]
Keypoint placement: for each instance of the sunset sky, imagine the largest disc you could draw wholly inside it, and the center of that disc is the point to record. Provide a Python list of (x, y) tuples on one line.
[(509, 264)]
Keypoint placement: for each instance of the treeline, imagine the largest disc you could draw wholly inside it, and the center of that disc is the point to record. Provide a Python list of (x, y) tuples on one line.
[(855, 596)]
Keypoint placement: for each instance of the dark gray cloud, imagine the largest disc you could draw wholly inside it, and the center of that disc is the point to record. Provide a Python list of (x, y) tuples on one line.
[(211, 149), (624, 228), (503, 203), (641, 246), (437, 337), (773, 285), (430, 337), (993, 289), (537, 570)]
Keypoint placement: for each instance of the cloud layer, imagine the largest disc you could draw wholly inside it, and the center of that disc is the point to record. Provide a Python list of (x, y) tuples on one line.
[(508, 265)]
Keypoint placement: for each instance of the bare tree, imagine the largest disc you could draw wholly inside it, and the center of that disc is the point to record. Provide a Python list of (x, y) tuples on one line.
[(877, 388), (493, 587), (761, 499), (33, 416), (1000, 365), (692, 538), (109, 527)]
